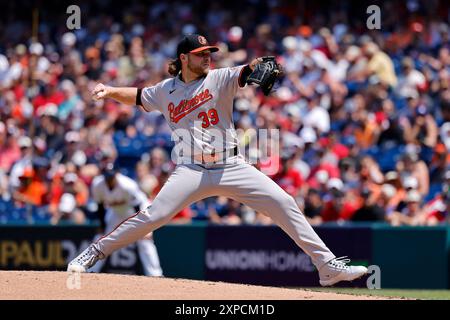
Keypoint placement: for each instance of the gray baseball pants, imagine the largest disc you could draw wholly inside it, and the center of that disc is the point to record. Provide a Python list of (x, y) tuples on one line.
[(241, 182)]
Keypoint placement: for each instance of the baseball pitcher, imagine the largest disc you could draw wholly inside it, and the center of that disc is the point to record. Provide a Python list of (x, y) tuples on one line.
[(197, 103)]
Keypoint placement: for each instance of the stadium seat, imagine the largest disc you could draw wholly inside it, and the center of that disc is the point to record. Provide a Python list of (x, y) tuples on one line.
[(386, 156), (41, 214), (435, 189), (18, 215)]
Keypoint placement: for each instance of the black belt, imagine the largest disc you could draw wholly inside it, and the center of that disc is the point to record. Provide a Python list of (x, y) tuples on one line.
[(213, 157)]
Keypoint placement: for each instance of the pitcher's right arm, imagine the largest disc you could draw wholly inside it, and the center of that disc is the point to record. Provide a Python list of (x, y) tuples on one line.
[(125, 95)]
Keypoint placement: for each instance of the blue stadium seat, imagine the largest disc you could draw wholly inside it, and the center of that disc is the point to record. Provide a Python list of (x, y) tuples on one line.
[(337, 125), (7, 210), (201, 210), (397, 65), (435, 188), (386, 157), (18, 215), (399, 103), (4, 209), (41, 214), (118, 135)]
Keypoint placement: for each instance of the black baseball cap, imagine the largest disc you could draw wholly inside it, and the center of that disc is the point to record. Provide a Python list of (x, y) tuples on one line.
[(192, 43)]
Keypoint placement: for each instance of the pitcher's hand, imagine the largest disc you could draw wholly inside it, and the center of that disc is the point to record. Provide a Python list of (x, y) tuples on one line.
[(100, 92)]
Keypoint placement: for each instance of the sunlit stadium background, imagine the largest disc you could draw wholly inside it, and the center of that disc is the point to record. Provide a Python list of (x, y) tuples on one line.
[(363, 115)]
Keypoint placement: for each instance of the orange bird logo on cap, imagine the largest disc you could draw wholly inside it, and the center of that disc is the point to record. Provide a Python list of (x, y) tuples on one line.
[(202, 40)]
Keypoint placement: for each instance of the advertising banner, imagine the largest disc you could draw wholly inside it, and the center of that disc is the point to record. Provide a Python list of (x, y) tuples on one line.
[(265, 255), (53, 247)]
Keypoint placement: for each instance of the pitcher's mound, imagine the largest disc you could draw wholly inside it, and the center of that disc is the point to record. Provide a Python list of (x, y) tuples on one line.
[(62, 285)]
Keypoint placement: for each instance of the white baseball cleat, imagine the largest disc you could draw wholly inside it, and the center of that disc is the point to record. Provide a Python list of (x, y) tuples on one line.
[(85, 260), (337, 270)]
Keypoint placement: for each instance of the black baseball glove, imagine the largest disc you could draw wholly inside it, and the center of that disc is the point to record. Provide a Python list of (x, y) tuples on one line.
[(265, 74)]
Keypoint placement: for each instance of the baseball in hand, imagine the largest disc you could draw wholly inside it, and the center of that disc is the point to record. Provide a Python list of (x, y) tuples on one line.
[(99, 92)]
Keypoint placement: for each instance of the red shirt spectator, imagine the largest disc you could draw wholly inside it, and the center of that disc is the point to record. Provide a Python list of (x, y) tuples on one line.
[(436, 208), (50, 94), (289, 180), (336, 210), (341, 205), (331, 170)]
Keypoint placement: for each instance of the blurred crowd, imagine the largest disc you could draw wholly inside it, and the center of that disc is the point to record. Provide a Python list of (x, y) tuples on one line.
[(363, 115)]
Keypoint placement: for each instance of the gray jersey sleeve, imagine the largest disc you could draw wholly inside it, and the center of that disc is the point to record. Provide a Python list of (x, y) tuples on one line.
[(150, 98), (229, 78)]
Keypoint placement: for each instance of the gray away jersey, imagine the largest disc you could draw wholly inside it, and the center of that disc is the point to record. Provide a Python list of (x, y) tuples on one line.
[(199, 112)]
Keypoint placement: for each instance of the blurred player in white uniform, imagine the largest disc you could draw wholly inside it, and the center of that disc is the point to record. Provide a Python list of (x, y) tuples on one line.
[(118, 198)]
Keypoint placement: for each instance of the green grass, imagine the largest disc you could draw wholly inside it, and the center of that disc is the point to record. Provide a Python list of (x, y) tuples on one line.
[(395, 293)]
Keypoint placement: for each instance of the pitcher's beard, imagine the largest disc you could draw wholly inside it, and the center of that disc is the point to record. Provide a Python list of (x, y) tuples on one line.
[(198, 70)]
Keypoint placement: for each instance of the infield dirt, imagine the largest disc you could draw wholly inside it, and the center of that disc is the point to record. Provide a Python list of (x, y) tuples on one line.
[(44, 285)]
